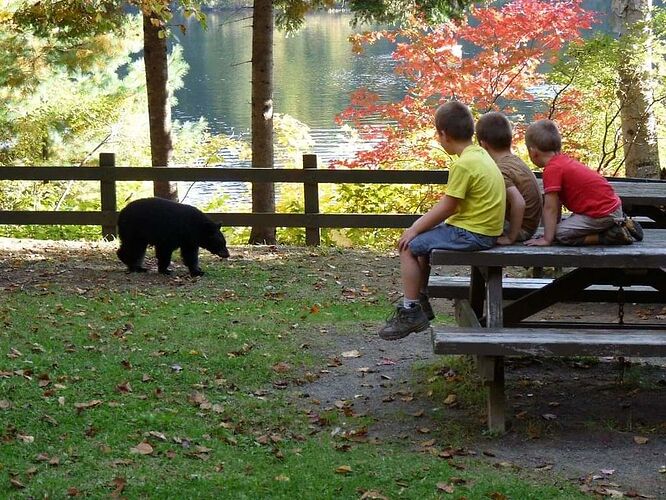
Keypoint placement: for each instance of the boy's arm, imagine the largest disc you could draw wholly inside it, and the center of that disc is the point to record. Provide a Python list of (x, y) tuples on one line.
[(444, 208), (551, 214), (517, 204)]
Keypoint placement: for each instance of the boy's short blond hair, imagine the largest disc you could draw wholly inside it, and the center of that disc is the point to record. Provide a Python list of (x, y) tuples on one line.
[(456, 120), (544, 136)]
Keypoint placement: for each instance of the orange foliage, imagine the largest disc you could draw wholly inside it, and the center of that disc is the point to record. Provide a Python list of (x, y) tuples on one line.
[(487, 60)]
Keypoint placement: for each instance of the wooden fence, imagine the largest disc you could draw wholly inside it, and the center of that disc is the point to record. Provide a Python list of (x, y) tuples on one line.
[(108, 174)]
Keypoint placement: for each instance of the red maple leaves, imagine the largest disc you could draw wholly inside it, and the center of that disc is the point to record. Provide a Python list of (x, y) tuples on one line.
[(489, 60)]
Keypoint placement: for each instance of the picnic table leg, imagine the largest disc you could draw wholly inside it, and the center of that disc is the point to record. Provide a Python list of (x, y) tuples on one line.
[(491, 368), (477, 290)]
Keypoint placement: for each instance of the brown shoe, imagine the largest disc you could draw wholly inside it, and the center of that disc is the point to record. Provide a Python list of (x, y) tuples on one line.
[(403, 321), (634, 228), (616, 235)]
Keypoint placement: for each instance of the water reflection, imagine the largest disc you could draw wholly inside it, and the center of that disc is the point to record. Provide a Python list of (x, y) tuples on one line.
[(314, 73)]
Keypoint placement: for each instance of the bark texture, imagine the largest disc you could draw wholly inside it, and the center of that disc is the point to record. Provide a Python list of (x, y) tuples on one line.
[(159, 108), (636, 87), (263, 194)]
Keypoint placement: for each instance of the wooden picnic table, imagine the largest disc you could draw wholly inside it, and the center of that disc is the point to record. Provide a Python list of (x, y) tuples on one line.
[(490, 328)]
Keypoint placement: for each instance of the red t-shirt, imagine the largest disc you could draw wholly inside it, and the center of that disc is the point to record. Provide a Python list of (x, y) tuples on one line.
[(581, 189)]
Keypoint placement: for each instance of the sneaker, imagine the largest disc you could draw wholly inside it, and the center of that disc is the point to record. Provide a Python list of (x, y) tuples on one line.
[(403, 321), (634, 228), (616, 235), (425, 305)]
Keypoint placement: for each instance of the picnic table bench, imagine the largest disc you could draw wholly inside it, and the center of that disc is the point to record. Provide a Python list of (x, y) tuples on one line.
[(491, 328)]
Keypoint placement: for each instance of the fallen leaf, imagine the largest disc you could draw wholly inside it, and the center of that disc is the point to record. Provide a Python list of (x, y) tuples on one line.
[(119, 484), (282, 478), (351, 354), (86, 406), (125, 387), (5, 405), (14, 353), (16, 483), (373, 495), (196, 398), (446, 488), (640, 440), (450, 399), (25, 438), (281, 367), (549, 416), (142, 448), (343, 469), (158, 435)]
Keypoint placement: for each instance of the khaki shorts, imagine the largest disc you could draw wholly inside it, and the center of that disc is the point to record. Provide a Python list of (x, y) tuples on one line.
[(575, 227)]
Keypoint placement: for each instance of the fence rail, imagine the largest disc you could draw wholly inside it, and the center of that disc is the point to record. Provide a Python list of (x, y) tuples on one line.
[(108, 174)]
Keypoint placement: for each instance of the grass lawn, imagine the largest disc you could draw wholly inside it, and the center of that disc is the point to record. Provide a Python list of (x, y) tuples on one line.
[(145, 386)]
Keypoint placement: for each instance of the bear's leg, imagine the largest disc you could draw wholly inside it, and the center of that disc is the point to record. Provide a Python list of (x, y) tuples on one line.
[(132, 256), (190, 255), (163, 254)]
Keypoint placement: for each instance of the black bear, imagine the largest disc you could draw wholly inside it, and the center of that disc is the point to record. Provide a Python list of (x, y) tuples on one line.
[(167, 225)]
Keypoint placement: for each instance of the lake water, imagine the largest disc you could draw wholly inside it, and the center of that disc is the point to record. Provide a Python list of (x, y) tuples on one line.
[(314, 73)]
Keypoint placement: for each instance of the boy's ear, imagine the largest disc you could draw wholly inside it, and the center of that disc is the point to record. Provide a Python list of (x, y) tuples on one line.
[(483, 144)]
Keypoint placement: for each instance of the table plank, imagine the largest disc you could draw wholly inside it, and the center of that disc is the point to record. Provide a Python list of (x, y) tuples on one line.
[(548, 342), (649, 253)]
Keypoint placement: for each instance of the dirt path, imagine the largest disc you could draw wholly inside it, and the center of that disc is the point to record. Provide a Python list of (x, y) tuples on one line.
[(572, 417)]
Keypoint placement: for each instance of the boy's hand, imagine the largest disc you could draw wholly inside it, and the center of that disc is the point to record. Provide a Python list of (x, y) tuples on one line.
[(407, 236), (538, 242), (504, 240)]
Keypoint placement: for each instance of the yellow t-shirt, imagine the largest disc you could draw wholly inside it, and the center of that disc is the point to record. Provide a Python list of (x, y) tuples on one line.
[(479, 186)]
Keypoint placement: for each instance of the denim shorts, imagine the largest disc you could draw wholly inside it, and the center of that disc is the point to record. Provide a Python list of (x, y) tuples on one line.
[(446, 237)]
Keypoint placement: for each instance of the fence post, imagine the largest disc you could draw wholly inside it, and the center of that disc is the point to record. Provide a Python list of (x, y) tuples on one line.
[(311, 201), (107, 191)]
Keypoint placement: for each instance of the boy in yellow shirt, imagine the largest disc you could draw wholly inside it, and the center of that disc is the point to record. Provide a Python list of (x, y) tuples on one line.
[(470, 216)]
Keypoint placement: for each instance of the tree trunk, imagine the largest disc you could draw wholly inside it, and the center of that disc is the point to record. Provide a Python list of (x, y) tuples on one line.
[(159, 108), (263, 194), (636, 87)]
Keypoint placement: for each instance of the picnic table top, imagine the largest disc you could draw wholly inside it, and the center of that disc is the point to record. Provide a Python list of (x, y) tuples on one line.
[(649, 253), (643, 193)]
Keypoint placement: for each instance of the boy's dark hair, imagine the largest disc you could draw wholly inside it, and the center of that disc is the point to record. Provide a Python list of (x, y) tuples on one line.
[(544, 136), (456, 120), (495, 130)]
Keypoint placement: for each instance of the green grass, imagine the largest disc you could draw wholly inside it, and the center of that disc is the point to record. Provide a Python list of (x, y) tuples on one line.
[(194, 371)]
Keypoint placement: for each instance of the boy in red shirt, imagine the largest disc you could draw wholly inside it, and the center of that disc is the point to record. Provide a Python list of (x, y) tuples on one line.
[(596, 217)]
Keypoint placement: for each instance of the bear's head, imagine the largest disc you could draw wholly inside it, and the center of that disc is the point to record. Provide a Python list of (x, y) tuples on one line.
[(213, 240)]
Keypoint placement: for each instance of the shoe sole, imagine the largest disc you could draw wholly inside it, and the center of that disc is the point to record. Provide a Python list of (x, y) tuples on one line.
[(420, 328), (635, 229)]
